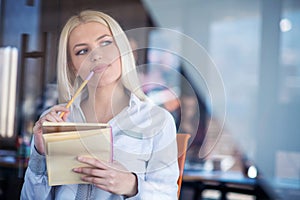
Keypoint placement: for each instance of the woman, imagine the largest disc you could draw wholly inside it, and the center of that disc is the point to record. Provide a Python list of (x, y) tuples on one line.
[(144, 135)]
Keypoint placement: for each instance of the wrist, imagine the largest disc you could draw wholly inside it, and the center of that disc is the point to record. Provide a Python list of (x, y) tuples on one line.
[(38, 145), (134, 189)]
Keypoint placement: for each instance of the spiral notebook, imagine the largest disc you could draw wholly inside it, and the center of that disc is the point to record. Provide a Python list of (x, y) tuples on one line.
[(65, 141)]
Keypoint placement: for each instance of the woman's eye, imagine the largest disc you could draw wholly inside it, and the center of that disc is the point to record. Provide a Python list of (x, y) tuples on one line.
[(81, 52), (105, 43)]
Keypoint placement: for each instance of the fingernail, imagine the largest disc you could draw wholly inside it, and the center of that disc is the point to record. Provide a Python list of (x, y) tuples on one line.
[(80, 158), (75, 170)]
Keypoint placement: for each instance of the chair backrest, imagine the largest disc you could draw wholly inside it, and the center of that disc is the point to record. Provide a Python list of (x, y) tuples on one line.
[(182, 143)]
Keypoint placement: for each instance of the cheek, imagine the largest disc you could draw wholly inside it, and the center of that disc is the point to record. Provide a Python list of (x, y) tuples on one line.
[(115, 60), (111, 54), (74, 62), (77, 63), (81, 66), (117, 67)]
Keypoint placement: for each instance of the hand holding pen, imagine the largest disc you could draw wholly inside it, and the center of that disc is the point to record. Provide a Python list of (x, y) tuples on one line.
[(52, 116)]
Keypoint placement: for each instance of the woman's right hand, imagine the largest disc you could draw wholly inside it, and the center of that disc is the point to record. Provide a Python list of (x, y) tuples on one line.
[(51, 116)]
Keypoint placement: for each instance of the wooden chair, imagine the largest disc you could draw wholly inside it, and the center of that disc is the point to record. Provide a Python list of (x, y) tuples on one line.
[(182, 143)]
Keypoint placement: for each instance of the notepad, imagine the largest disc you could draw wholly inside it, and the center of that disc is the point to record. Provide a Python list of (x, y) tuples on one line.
[(65, 141)]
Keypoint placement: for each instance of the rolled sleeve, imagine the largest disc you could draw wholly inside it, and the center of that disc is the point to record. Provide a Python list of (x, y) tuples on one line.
[(37, 162)]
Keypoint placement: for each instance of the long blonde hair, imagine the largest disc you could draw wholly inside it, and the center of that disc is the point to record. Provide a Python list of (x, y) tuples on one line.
[(65, 73)]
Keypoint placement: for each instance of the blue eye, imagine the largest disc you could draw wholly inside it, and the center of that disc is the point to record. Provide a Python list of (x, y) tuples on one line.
[(81, 52), (105, 43)]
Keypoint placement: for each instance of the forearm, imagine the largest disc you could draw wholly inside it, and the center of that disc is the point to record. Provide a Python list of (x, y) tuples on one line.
[(158, 184), (36, 181), (151, 189), (35, 187)]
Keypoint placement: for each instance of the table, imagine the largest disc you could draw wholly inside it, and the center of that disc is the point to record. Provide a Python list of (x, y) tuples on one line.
[(230, 181)]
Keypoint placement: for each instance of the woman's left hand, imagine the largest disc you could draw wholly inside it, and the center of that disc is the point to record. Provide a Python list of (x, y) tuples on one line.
[(111, 177)]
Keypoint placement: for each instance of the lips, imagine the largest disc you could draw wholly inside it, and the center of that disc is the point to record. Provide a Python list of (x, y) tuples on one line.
[(100, 68)]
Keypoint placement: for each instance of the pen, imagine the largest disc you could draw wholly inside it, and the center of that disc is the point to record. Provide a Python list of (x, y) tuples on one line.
[(78, 92)]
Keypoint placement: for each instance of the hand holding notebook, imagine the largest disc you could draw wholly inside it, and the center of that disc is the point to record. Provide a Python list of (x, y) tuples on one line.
[(65, 141)]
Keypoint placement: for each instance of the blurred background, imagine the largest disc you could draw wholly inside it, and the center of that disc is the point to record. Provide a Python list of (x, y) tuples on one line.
[(231, 78)]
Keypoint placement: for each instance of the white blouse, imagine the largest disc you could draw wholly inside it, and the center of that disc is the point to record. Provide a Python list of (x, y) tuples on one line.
[(144, 141)]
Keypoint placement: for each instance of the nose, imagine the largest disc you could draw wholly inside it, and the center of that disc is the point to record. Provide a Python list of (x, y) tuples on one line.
[(95, 55)]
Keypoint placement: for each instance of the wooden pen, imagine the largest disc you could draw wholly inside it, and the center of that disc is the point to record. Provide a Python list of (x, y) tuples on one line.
[(78, 92)]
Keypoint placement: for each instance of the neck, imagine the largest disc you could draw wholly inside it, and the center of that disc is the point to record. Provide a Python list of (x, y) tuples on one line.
[(105, 102)]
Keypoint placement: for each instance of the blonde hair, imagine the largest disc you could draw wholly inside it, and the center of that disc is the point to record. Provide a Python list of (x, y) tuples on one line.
[(65, 74)]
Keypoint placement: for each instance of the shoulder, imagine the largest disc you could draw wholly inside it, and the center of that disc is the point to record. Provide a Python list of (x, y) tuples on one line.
[(149, 109), (159, 118), (146, 118)]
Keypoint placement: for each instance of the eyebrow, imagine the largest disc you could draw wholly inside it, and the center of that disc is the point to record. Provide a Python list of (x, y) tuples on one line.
[(98, 38), (102, 36)]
